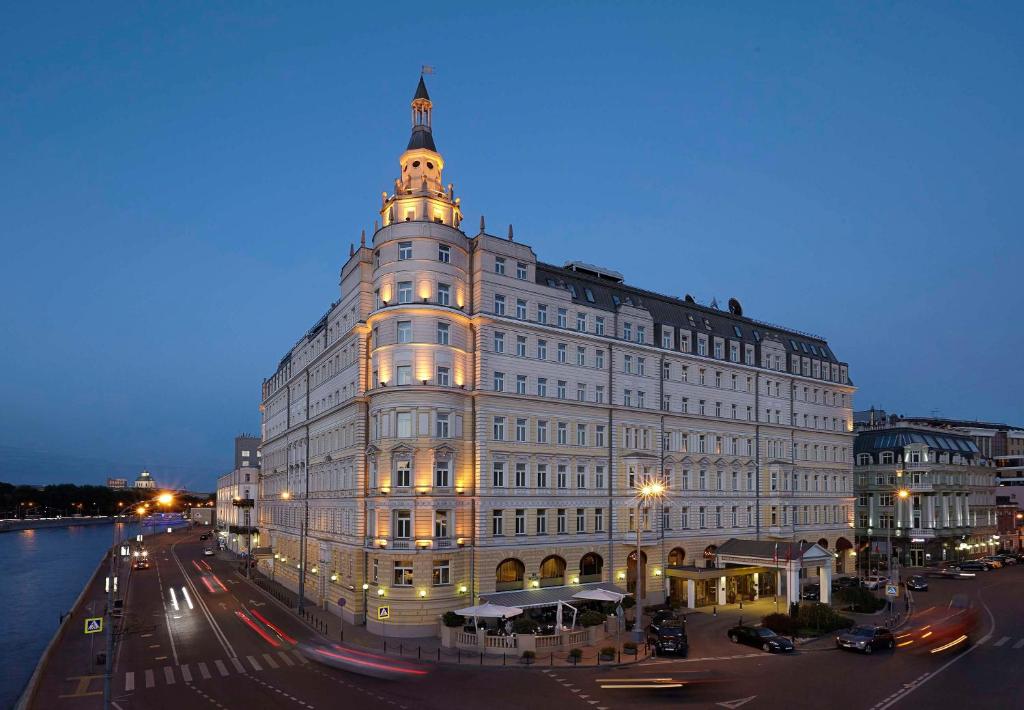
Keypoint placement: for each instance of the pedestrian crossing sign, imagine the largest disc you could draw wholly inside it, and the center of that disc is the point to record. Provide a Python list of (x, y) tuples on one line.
[(383, 612), (94, 625)]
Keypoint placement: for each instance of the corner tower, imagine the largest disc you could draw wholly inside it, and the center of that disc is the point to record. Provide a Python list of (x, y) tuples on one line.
[(419, 192)]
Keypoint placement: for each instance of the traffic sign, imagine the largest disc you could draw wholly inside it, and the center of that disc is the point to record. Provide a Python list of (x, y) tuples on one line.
[(892, 590), (94, 625), (341, 601), (383, 612)]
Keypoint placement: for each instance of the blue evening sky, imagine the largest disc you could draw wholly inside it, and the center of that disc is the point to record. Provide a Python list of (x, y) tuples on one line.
[(180, 183)]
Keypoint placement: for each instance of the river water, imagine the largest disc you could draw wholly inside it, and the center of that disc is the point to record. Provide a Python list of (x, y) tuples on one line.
[(43, 571)]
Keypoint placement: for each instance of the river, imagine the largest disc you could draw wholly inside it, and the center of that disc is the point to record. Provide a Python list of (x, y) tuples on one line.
[(43, 573)]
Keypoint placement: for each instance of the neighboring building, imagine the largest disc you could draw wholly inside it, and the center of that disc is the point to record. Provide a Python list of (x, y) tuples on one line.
[(117, 483), (144, 480), (201, 516), (247, 451), (469, 420), (949, 512), (236, 509)]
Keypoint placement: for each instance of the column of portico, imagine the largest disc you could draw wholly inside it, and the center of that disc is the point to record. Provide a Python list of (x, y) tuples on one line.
[(757, 586), (825, 584), (792, 582), (691, 593), (721, 591), (930, 511)]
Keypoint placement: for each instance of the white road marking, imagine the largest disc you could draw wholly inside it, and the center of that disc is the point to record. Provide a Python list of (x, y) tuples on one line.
[(254, 663), (186, 674), (1019, 644), (150, 680), (204, 671), (270, 660), (302, 659), (1001, 641), (129, 681), (286, 658), (221, 667), (237, 664), (169, 675), (733, 704)]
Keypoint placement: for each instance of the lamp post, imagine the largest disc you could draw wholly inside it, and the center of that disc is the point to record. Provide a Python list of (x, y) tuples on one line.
[(648, 491), (900, 493)]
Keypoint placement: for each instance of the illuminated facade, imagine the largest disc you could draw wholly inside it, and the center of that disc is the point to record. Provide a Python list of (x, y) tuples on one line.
[(470, 419)]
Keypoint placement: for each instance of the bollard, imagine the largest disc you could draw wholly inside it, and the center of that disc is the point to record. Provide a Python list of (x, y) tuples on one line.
[(481, 658), (551, 659), (438, 655), (714, 611), (385, 646), (399, 649), (502, 658), (458, 657), (620, 656), (419, 653)]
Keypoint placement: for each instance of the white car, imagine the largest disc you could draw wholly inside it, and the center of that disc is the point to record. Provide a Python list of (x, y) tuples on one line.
[(208, 551), (875, 581)]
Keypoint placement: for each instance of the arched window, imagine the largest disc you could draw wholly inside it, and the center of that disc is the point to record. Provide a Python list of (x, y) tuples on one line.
[(676, 556), (863, 459), (591, 565), (509, 575), (552, 567), (888, 457), (823, 542)]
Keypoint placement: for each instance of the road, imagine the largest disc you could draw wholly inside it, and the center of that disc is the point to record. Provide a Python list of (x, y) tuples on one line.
[(192, 648)]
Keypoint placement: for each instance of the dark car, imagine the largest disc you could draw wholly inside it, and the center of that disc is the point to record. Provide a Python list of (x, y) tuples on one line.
[(950, 574), (917, 583), (845, 583), (668, 636), (812, 592), (866, 639), (972, 566), (204, 536), (765, 639), (141, 563)]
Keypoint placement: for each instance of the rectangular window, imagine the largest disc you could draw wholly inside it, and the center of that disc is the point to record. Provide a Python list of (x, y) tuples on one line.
[(403, 474), (520, 309), (581, 322), (563, 433), (403, 573), (405, 291), (404, 424), (499, 342), (499, 428), (560, 520), (598, 519), (521, 430), (443, 376), (542, 475), (641, 334), (542, 350), (499, 265), (442, 429), (497, 523), (498, 474), (440, 523), (581, 392), (499, 304), (404, 251), (542, 387), (599, 358), (599, 394), (444, 294), (403, 524), (561, 389), (562, 476), (542, 431), (562, 317), (521, 475), (581, 355), (599, 435), (442, 573), (499, 381), (599, 325), (581, 477), (599, 477), (581, 520), (521, 271), (520, 521), (444, 253), (542, 314), (404, 331), (542, 521), (562, 352), (442, 475), (520, 384)]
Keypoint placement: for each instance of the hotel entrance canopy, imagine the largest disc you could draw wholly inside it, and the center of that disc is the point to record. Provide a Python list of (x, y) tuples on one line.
[(546, 596)]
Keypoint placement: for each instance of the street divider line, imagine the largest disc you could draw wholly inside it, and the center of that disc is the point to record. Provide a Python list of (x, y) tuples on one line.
[(217, 632)]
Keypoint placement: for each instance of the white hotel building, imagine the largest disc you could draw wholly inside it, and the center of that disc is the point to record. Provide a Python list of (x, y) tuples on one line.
[(466, 420)]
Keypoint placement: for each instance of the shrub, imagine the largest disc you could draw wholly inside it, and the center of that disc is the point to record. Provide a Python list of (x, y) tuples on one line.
[(780, 624), (629, 647), (576, 654), (452, 620), (607, 652), (528, 657), (860, 599), (525, 625), (591, 618), (821, 617)]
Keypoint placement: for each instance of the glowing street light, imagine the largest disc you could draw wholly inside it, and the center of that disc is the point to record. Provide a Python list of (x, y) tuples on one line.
[(165, 499), (649, 490)]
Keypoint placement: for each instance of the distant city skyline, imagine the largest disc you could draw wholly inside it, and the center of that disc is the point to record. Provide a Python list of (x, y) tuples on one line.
[(170, 174)]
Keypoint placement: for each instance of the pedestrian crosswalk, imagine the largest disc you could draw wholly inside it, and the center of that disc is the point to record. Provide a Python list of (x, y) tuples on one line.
[(1003, 642), (207, 670)]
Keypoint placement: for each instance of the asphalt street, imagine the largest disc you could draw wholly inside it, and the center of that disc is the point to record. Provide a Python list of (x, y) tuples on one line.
[(195, 637)]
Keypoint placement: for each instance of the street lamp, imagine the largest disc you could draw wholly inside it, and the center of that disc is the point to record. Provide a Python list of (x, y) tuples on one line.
[(649, 490)]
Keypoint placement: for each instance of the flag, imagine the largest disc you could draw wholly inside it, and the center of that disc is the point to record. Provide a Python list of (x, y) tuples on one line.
[(427, 69)]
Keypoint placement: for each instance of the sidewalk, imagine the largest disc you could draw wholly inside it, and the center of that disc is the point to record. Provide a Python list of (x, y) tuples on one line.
[(333, 628)]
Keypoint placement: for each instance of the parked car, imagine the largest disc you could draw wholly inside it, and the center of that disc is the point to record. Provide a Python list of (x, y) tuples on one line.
[(845, 583), (866, 639), (668, 636), (917, 583), (993, 562), (971, 566), (208, 551), (950, 574), (1007, 559), (765, 639), (204, 536), (875, 581), (812, 592)]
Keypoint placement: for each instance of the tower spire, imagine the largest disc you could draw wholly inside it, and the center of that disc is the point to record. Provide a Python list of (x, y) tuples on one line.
[(422, 108)]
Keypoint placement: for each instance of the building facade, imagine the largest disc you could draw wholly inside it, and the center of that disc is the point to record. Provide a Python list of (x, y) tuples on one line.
[(144, 480), (467, 419), (247, 451), (237, 510), (928, 491), (117, 483)]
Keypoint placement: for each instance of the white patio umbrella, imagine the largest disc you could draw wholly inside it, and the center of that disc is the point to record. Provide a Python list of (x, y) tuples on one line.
[(599, 595), (489, 611)]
